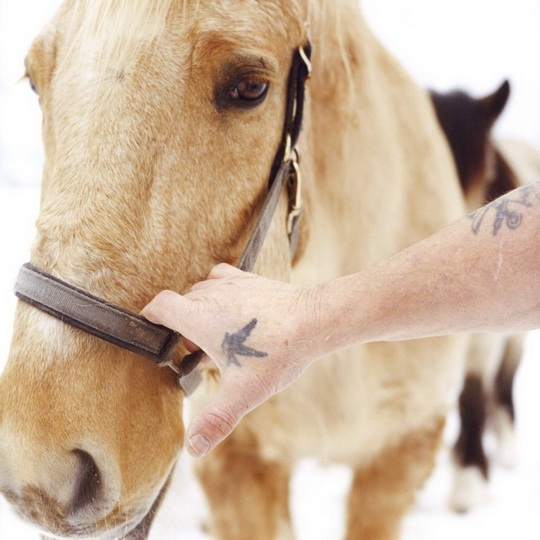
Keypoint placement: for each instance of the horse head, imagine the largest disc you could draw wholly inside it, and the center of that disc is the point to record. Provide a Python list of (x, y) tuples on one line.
[(161, 122), (468, 123)]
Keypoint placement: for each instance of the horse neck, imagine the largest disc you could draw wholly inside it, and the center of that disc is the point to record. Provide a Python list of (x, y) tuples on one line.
[(351, 108), (370, 155), (352, 88)]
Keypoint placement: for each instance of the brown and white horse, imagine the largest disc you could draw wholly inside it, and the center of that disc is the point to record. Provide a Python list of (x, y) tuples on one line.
[(161, 121), (487, 169)]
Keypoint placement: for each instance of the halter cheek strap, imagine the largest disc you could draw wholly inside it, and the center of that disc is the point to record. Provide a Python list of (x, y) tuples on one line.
[(129, 330)]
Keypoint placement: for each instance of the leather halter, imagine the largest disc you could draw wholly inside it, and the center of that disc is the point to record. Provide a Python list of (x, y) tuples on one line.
[(129, 330)]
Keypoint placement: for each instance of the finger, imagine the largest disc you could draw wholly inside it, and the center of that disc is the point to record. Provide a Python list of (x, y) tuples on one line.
[(202, 285), (191, 361), (211, 427), (189, 345), (219, 418), (220, 271), (224, 270), (169, 309)]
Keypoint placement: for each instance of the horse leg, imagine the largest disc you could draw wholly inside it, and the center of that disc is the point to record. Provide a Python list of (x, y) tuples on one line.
[(382, 492), (248, 496), (472, 467), (471, 474), (504, 412)]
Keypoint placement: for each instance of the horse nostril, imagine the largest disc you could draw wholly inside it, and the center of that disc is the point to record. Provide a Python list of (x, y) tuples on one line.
[(88, 484)]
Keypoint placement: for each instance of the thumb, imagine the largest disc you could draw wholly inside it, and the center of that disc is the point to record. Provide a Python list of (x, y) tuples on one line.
[(219, 418), (209, 428)]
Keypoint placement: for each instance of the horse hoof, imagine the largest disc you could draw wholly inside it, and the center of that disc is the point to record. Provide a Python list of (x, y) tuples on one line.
[(470, 490), (507, 452)]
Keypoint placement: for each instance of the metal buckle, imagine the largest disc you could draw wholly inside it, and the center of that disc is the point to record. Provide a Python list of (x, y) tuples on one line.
[(287, 155), (170, 364), (190, 382), (187, 382), (306, 61), (295, 193)]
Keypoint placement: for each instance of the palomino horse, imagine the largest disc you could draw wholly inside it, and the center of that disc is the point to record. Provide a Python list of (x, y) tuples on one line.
[(486, 171), (161, 122)]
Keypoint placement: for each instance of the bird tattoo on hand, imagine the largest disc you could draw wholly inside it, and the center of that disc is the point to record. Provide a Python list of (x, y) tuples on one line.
[(233, 345)]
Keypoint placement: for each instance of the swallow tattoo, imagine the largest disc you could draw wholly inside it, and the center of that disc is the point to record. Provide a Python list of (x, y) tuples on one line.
[(233, 345)]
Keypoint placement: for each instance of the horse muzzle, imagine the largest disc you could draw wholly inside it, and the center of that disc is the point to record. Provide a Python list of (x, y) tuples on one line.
[(74, 495)]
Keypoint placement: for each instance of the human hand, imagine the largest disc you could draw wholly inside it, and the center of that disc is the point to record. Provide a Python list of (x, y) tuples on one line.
[(260, 334)]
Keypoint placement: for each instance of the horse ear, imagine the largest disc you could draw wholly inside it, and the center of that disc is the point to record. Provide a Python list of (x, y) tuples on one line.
[(494, 104)]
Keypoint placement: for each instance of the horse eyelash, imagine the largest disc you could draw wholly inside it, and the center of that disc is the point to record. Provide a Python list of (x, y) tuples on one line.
[(222, 100), (26, 77)]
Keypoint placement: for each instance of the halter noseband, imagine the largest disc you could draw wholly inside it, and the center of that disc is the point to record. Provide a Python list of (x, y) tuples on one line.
[(129, 330)]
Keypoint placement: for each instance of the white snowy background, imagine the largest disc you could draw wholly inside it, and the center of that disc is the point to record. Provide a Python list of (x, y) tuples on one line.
[(472, 44)]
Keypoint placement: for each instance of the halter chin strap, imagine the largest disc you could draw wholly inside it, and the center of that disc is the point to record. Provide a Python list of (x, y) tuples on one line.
[(130, 331)]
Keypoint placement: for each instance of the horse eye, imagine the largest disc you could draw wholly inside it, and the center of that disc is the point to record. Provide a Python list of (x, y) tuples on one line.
[(249, 91)]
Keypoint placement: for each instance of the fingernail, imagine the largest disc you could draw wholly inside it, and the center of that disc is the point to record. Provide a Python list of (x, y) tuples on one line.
[(199, 445)]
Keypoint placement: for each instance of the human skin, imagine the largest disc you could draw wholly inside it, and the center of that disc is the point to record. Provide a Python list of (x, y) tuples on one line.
[(479, 274)]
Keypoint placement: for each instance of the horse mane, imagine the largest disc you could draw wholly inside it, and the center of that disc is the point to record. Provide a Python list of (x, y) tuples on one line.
[(130, 15), (126, 24)]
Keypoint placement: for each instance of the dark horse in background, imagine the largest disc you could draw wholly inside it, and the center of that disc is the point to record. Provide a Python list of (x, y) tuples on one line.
[(487, 170)]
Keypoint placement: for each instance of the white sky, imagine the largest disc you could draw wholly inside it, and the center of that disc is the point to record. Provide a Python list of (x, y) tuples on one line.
[(473, 44)]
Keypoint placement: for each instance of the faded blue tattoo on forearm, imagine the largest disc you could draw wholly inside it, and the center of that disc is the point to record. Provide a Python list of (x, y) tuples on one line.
[(233, 345), (507, 210)]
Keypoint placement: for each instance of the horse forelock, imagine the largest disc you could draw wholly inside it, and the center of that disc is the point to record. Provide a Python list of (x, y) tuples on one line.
[(146, 19), (126, 25)]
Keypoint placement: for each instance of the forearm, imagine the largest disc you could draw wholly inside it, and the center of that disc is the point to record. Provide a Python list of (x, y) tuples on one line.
[(480, 274)]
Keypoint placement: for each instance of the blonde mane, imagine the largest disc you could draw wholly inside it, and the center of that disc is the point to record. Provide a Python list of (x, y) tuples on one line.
[(148, 15), (128, 26)]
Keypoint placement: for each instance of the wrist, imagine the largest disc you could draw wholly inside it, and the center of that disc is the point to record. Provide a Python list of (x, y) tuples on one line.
[(348, 307), (324, 328)]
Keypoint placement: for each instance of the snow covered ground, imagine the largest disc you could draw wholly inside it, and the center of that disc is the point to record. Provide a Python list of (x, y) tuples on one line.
[(469, 43)]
